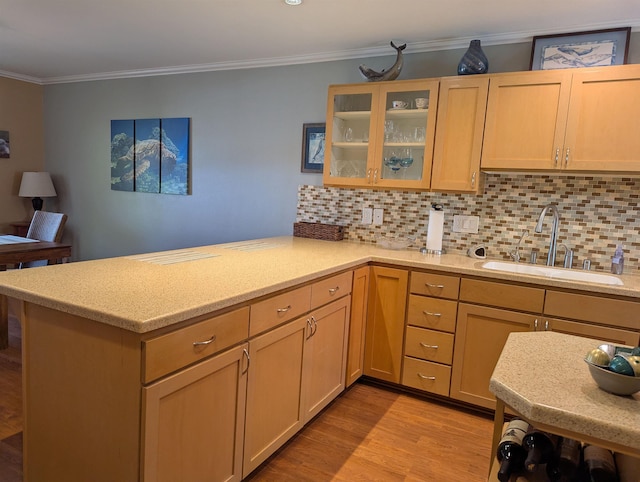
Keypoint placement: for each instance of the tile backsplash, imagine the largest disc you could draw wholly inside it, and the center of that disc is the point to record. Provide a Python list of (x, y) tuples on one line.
[(596, 214)]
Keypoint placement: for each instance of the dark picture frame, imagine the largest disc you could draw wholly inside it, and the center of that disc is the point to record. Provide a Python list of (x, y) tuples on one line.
[(313, 143), (595, 48)]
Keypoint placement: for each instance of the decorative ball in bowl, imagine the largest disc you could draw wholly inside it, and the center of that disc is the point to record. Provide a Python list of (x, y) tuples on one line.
[(613, 382)]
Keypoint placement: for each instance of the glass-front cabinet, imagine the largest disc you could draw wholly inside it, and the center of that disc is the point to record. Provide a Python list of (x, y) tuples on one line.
[(381, 135)]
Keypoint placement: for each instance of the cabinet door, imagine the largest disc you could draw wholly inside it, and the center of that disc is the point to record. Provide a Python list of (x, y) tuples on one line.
[(385, 323), (480, 336), (602, 126), (460, 126), (404, 136), (274, 390), (526, 120), (350, 130), (325, 356), (193, 422), (357, 324), (604, 333)]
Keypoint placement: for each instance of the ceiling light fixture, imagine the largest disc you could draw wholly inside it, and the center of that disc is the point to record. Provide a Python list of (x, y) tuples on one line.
[(293, 2)]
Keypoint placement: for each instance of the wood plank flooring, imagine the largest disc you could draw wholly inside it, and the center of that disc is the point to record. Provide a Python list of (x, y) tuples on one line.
[(370, 433)]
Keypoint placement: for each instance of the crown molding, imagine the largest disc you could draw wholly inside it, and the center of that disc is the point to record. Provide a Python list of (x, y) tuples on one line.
[(377, 51)]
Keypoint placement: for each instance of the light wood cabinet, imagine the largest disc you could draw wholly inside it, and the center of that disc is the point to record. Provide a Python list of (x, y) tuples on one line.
[(357, 324), (193, 421), (462, 105), (295, 371), (385, 323), (480, 336), (275, 409), (608, 319), (571, 120), (369, 143), (325, 356)]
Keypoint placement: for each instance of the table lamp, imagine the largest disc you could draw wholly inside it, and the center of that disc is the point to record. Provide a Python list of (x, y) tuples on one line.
[(36, 185)]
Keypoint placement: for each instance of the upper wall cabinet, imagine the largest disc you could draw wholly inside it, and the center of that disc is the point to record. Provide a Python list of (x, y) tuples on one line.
[(461, 111), (380, 135), (570, 120)]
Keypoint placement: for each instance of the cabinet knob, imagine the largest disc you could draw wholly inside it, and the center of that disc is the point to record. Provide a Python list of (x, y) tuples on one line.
[(333, 291), (566, 158), (429, 285), (555, 162), (284, 310), (473, 179)]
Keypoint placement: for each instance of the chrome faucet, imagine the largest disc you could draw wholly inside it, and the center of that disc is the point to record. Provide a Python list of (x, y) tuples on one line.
[(514, 253), (553, 209)]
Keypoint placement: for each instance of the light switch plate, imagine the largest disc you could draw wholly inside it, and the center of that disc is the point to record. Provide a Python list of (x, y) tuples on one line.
[(465, 224), (378, 216), (367, 216)]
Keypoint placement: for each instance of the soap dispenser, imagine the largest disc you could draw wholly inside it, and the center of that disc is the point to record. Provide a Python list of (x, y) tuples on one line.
[(617, 261)]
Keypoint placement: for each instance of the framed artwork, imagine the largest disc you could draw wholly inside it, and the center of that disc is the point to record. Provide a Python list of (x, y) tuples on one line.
[(313, 141), (150, 155), (4, 145), (580, 49)]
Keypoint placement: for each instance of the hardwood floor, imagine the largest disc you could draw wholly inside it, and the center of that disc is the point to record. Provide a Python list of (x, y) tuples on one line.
[(369, 433), (375, 434)]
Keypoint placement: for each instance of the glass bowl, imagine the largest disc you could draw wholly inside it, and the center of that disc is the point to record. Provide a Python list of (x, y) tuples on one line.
[(391, 242)]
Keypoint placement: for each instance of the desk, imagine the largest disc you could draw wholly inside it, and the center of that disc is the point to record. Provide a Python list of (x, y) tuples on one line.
[(543, 378), (16, 253)]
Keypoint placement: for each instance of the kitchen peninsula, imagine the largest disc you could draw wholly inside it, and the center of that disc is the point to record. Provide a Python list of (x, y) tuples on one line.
[(103, 342)]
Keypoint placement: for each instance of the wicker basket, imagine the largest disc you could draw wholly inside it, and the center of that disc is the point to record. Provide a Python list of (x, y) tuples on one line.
[(327, 232)]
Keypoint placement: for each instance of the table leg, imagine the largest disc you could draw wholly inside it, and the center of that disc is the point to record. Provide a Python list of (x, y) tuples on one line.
[(4, 322), (498, 422)]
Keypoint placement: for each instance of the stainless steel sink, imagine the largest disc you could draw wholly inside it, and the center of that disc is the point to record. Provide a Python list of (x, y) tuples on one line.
[(554, 273)]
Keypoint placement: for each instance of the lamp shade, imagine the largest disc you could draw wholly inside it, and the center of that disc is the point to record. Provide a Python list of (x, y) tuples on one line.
[(36, 184)]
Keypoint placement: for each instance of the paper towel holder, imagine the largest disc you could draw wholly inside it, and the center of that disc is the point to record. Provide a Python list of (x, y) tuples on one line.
[(436, 252)]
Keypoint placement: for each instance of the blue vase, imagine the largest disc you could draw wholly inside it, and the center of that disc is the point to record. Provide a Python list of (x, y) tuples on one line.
[(474, 61)]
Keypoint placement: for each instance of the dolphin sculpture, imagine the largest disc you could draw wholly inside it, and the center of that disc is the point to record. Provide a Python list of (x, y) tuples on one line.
[(390, 74)]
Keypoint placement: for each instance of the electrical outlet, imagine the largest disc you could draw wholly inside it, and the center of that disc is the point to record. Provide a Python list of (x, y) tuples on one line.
[(465, 224), (367, 216), (378, 216)]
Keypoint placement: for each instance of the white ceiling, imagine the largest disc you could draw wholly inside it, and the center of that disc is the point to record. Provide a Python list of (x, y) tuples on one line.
[(49, 41)]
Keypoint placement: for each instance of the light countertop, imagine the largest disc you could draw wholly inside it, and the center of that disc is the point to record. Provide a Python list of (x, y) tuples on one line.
[(139, 294), (543, 376)]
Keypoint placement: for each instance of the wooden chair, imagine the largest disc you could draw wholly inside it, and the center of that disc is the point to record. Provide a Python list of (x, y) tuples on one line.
[(45, 226)]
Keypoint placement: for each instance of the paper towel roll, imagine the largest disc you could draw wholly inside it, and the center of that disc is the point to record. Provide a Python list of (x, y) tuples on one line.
[(435, 230)]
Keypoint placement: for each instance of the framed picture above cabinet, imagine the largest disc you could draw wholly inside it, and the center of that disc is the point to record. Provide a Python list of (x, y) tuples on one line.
[(580, 49)]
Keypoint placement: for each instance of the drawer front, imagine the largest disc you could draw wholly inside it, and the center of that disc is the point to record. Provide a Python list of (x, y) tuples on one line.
[(429, 345), (427, 376), (438, 285), (330, 289), (278, 309), (170, 352), (434, 313), (521, 298), (616, 313)]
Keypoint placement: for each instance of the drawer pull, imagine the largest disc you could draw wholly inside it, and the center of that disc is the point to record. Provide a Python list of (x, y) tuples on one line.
[(425, 377), (430, 285), (333, 291), (204, 343), (284, 310), (428, 313), (424, 345)]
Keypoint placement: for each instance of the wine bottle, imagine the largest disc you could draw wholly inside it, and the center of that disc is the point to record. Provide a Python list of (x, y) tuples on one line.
[(600, 464), (563, 467), (510, 453), (540, 447)]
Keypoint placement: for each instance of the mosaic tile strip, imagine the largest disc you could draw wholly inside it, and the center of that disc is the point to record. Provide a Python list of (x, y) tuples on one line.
[(596, 214)]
